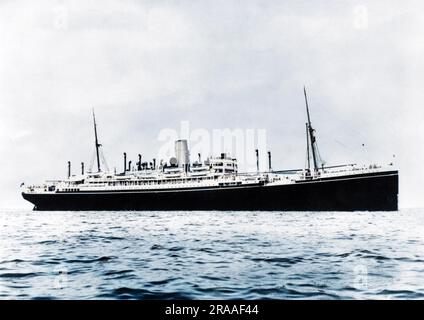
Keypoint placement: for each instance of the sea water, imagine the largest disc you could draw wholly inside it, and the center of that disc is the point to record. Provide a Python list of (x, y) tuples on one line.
[(211, 255)]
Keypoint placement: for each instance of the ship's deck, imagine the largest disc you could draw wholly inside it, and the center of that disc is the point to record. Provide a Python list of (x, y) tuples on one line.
[(158, 182)]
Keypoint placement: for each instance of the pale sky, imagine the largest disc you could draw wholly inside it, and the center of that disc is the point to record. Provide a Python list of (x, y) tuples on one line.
[(148, 65)]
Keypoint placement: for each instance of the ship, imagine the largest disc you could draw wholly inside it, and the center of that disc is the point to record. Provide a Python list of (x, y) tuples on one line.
[(216, 184)]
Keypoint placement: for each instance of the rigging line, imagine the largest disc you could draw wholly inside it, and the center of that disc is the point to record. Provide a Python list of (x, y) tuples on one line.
[(359, 139), (346, 125), (306, 161), (104, 159), (320, 160), (356, 152), (90, 168)]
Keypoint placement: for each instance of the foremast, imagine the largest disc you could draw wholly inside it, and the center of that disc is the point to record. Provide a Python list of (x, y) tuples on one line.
[(98, 145), (310, 139)]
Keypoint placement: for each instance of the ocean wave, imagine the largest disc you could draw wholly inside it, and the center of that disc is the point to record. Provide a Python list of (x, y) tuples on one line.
[(135, 293), (100, 259), (12, 261), (283, 260), (225, 255), (20, 274), (405, 294)]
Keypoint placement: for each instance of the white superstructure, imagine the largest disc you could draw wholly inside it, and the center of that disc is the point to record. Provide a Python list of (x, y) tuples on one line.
[(221, 171)]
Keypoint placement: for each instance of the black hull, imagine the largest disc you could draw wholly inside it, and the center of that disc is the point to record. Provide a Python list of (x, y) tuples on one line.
[(366, 192)]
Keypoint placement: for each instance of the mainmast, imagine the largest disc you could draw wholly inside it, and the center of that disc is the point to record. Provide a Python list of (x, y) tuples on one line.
[(307, 148), (311, 131), (97, 143)]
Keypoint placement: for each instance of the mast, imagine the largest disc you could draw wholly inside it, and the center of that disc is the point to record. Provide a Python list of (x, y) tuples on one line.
[(96, 143), (307, 148), (311, 133)]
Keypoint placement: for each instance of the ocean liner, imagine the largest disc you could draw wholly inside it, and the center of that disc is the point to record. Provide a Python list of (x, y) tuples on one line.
[(216, 184)]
